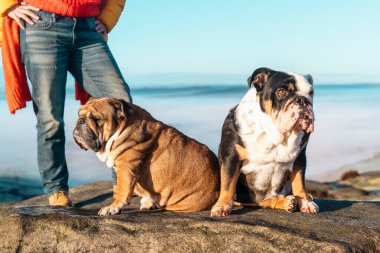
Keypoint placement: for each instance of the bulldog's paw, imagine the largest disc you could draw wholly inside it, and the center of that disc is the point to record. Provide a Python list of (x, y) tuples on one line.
[(307, 206), (110, 210), (290, 203), (147, 204), (221, 211)]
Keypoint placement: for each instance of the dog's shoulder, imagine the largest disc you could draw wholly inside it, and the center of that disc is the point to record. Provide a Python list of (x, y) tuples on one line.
[(230, 134)]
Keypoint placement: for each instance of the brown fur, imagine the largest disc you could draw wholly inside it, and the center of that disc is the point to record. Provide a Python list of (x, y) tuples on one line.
[(287, 203), (268, 106), (154, 160), (291, 87), (298, 186), (227, 192)]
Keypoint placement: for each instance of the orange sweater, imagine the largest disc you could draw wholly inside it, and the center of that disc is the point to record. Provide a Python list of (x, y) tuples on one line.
[(70, 8), (16, 88)]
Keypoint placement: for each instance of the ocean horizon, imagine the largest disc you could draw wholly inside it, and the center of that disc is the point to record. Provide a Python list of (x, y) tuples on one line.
[(345, 129)]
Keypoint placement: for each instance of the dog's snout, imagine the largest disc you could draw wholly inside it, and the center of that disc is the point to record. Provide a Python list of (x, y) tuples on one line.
[(301, 101), (76, 132)]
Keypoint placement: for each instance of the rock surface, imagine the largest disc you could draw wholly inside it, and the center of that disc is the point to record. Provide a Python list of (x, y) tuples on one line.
[(365, 186), (31, 226)]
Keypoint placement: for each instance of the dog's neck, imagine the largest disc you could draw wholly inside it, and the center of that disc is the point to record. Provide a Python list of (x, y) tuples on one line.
[(267, 147), (253, 120), (105, 155)]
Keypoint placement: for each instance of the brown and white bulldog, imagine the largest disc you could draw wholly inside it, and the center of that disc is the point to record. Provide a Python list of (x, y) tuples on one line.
[(157, 162), (263, 146)]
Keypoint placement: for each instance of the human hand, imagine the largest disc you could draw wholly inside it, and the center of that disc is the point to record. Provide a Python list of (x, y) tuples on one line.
[(100, 27), (22, 12)]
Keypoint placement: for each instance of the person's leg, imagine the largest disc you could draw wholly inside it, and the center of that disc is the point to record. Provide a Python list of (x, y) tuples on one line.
[(46, 61), (93, 65)]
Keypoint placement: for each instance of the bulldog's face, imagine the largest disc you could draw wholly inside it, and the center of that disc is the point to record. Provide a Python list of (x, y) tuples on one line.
[(98, 120), (286, 97)]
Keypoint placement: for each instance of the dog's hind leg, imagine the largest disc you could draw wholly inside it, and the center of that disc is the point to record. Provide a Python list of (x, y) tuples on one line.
[(287, 203), (147, 203)]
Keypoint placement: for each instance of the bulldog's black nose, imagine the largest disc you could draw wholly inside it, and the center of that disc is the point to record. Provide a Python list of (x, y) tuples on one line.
[(301, 101)]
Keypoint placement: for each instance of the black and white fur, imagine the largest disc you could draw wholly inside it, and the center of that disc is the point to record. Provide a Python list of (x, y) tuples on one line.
[(272, 153)]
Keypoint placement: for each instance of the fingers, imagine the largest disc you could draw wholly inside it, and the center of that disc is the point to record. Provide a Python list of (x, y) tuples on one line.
[(23, 12), (100, 27), (26, 18), (17, 19), (29, 7), (27, 10)]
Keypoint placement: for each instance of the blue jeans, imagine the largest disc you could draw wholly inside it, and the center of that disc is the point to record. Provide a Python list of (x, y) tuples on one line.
[(50, 48)]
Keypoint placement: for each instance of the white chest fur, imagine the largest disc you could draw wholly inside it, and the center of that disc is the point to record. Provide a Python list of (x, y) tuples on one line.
[(270, 152), (106, 154)]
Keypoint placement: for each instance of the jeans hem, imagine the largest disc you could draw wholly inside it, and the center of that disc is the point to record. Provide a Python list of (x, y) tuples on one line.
[(58, 189)]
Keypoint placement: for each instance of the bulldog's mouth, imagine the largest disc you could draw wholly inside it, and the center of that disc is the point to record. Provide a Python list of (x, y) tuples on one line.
[(86, 140), (297, 117), (80, 143), (305, 121)]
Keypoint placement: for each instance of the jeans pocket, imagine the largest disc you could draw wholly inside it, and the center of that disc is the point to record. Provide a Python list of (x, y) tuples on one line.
[(44, 23)]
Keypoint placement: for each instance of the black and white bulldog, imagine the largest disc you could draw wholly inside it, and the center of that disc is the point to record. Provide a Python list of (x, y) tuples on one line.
[(263, 144)]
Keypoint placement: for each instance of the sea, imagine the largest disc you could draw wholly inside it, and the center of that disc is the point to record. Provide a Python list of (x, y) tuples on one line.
[(347, 127)]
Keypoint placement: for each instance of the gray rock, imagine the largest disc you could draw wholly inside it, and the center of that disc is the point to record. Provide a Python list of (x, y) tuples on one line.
[(363, 187), (31, 226)]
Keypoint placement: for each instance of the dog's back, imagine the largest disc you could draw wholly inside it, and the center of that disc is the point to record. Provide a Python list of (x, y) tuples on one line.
[(179, 173)]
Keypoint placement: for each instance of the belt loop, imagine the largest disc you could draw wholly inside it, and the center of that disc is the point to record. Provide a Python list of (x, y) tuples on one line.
[(54, 17), (73, 31)]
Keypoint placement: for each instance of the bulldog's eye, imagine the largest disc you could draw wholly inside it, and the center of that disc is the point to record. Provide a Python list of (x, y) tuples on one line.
[(81, 121), (281, 93), (311, 93), (94, 117)]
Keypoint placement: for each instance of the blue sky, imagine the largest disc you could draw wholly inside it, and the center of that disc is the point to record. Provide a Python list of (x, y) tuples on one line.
[(223, 41)]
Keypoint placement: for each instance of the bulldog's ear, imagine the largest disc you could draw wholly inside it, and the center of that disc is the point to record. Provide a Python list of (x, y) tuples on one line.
[(122, 108), (259, 77), (126, 107), (309, 78)]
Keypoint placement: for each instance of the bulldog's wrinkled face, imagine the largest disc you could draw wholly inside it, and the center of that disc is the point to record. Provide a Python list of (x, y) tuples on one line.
[(98, 120), (286, 97)]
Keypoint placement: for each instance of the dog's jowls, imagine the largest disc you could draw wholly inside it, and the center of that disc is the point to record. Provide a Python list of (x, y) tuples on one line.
[(157, 162), (263, 145)]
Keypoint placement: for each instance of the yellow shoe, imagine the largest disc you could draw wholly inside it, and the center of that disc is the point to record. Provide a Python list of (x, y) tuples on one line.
[(60, 198)]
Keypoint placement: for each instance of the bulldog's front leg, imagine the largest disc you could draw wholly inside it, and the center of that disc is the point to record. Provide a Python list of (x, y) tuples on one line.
[(305, 201), (123, 192), (223, 206)]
